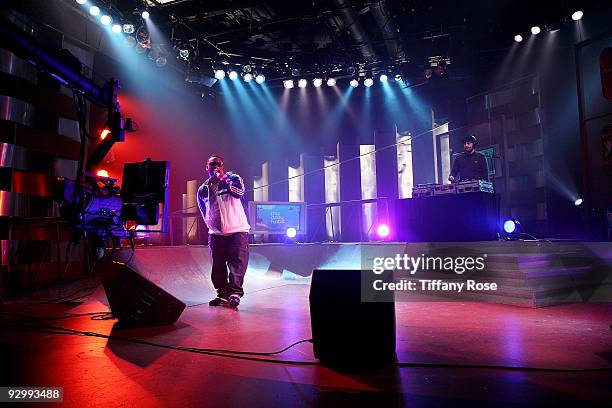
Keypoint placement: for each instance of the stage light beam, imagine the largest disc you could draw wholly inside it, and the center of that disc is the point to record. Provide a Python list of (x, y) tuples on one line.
[(233, 75), (383, 78), (578, 201), (260, 79), (219, 74), (81, 2), (145, 15), (368, 82), (102, 173), (248, 77)]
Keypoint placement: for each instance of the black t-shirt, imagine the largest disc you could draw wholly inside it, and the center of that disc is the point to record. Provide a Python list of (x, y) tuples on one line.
[(470, 167)]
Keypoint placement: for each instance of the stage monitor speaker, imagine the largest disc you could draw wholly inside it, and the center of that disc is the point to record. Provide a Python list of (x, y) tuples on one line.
[(136, 301), (348, 333)]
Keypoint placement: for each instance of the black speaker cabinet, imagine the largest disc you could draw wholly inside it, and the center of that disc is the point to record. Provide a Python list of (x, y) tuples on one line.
[(348, 333), (136, 301)]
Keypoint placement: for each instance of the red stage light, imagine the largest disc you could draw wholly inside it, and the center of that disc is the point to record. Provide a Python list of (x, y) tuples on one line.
[(102, 173), (104, 133)]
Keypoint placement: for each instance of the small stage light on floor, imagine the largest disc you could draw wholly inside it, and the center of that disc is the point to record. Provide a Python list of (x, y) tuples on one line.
[(116, 28), (260, 79), (317, 82), (578, 201), (94, 10), (331, 82), (288, 84), (248, 77), (302, 83), (145, 14), (535, 30), (398, 77), (383, 230), (368, 82), (518, 38), (219, 74), (102, 173), (511, 229), (233, 75), (383, 78), (106, 19), (577, 15), (354, 83), (291, 232)]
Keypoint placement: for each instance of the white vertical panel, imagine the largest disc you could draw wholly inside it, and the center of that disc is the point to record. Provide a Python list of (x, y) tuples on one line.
[(367, 165), (332, 194), (445, 157), (405, 177), (260, 184), (192, 206), (296, 181), (437, 131)]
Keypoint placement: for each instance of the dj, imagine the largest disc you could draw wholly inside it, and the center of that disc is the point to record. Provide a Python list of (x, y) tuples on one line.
[(219, 201), (469, 165)]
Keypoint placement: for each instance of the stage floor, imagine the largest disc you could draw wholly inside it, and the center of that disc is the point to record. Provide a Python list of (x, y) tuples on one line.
[(435, 343)]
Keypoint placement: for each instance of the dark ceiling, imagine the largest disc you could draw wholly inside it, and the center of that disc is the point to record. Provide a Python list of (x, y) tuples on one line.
[(329, 37)]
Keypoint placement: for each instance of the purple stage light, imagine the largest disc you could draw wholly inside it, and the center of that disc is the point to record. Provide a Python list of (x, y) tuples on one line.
[(291, 232), (383, 230)]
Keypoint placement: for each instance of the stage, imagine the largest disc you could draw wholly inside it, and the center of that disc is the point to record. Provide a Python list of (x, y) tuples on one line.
[(449, 352)]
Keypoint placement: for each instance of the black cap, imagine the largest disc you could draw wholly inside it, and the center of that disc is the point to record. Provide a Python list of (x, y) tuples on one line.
[(469, 139)]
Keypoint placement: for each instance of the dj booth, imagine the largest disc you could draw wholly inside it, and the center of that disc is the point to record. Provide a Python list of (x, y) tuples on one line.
[(472, 216)]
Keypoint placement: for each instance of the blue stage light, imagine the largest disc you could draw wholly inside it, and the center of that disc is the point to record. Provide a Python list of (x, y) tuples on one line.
[(260, 79), (248, 77), (578, 201), (106, 19), (233, 75), (291, 232), (383, 78), (354, 83), (116, 28), (368, 82), (94, 10), (511, 226), (219, 74)]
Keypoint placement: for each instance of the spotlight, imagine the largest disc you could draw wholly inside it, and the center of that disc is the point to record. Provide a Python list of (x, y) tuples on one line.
[(383, 230), (288, 84), (260, 79), (102, 173), (302, 83), (512, 226), (81, 1), (106, 19), (219, 74), (535, 30), (233, 75), (291, 232), (247, 68), (104, 133), (331, 82), (398, 77), (577, 15), (184, 54), (354, 83), (518, 38), (317, 82), (145, 14), (128, 28), (368, 82), (578, 201), (383, 78), (116, 28), (94, 10), (248, 77)]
